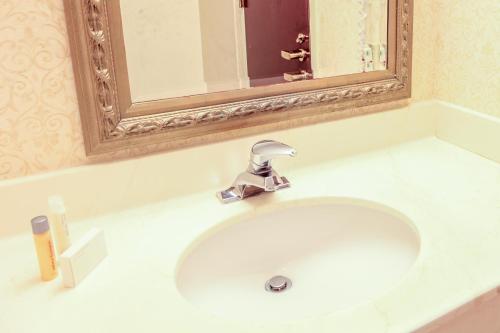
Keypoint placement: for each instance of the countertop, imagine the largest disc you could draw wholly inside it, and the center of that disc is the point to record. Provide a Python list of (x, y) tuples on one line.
[(451, 195)]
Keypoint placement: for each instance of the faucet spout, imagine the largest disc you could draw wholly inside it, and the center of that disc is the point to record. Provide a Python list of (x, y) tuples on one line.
[(263, 152)]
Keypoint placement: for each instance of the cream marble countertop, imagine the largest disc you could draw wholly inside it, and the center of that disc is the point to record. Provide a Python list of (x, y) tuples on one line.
[(451, 195)]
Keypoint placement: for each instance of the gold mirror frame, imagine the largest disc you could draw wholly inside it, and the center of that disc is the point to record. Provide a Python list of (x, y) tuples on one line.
[(112, 122)]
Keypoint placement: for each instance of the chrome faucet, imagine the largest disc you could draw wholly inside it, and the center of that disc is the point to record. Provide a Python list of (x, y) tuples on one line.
[(260, 175)]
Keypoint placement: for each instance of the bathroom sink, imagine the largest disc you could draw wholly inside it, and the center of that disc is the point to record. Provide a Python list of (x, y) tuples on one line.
[(298, 259)]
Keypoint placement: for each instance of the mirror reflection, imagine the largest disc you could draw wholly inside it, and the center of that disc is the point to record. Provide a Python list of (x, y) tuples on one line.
[(180, 48)]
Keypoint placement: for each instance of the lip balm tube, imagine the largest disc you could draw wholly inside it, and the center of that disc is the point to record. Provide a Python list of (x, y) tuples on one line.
[(44, 248)]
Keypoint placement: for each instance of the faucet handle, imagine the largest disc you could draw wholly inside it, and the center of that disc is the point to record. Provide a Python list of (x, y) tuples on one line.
[(264, 151)]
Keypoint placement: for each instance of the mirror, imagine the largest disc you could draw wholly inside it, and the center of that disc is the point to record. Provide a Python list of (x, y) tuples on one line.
[(169, 73), (191, 47)]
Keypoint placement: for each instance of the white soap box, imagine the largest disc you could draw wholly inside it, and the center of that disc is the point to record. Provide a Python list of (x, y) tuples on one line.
[(82, 257)]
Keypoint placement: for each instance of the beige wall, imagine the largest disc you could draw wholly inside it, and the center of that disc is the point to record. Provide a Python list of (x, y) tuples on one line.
[(467, 46), (164, 51), (337, 38), (223, 45), (39, 122)]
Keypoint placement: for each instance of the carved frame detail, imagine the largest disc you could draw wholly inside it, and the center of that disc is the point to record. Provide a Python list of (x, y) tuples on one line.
[(106, 129)]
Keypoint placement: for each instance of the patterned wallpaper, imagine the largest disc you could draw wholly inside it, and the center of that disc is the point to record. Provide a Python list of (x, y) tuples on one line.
[(455, 43), (39, 121), (467, 48)]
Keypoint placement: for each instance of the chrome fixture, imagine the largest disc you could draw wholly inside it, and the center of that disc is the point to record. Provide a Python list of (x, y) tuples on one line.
[(301, 38), (278, 284), (300, 54), (260, 175), (298, 76)]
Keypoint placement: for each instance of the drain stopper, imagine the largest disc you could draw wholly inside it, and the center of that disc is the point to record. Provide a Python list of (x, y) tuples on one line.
[(278, 284)]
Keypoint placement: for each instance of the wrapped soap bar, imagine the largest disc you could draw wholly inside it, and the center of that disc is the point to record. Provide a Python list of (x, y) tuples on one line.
[(82, 257)]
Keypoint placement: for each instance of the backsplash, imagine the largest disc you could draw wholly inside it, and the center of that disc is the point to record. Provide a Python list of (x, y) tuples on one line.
[(39, 121)]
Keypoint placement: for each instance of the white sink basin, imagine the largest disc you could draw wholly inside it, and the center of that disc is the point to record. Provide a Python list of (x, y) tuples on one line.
[(338, 253)]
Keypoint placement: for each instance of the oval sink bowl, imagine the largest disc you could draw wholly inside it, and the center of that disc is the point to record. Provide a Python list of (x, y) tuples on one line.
[(324, 255)]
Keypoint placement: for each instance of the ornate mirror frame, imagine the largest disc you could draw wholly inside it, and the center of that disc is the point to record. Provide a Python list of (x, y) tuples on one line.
[(112, 122)]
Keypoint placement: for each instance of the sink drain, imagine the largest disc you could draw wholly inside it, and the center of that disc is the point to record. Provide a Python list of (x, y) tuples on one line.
[(278, 284)]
